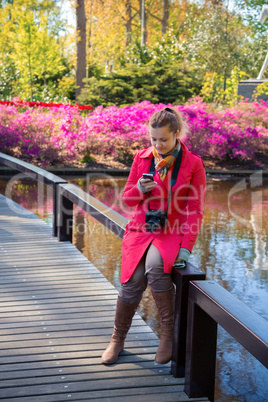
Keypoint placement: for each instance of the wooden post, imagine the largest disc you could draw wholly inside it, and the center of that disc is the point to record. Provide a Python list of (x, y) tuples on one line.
[(65, 218), (200, 353), (181, 279), (55, 211)]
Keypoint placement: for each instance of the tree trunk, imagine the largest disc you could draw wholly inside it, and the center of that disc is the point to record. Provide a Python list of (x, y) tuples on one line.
[(80, 46), (217, 2), (143, 22), (89, 38), (128, 22), (165, 17)]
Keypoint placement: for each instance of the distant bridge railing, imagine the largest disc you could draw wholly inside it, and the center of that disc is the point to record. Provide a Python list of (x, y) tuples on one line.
[(196, 311)]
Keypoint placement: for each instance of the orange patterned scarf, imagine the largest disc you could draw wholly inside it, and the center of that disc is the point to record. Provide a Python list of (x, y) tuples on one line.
[(163, 164)]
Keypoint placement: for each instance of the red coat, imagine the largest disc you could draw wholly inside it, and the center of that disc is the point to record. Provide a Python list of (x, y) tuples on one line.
[(183, 227)]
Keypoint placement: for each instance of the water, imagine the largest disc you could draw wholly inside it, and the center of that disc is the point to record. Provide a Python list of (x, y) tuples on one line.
[(231, 249)]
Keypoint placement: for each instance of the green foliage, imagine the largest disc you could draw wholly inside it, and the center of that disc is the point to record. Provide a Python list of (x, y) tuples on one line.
[(8, 77), (158, 83), (36, 53), (209, 45), (87, 158), (31, 50), (136, 54), (261, 89), (213, 89), (66, 87), (165, 50)]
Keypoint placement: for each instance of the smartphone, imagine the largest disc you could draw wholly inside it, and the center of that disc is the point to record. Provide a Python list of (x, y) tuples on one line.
[(148, 176), (180, 265)]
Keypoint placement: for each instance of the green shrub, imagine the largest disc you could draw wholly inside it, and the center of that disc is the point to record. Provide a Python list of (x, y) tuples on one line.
[(158, 83)]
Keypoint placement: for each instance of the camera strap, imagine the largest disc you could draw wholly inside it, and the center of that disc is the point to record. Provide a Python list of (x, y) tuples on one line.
[(173, 178)]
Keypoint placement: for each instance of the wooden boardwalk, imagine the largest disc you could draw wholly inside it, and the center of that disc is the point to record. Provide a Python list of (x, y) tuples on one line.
[(56, 318)]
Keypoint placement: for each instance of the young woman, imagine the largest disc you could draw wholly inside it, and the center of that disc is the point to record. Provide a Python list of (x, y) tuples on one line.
[(163, 229)]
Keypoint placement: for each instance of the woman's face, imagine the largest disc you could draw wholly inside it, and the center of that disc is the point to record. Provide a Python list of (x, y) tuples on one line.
[(162, 139)]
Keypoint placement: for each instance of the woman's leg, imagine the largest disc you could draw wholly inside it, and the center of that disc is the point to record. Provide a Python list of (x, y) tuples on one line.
[(132, 290), (164, 295), (158, 280), (129, 297)]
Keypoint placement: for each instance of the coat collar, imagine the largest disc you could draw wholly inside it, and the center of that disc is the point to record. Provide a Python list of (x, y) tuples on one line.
[(185, 154)]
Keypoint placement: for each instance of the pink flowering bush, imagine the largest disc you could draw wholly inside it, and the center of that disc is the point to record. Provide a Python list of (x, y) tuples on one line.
[(228, 134), (61, 135), (43, 137)]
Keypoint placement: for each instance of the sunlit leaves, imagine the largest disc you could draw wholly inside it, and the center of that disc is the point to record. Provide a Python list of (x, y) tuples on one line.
[(30, 42)]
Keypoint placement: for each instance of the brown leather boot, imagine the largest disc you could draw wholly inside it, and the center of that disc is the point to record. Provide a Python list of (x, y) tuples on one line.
[(165, 304), (122, 322)]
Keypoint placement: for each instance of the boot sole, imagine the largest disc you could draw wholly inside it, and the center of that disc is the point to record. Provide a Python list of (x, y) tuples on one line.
[(113, 361)]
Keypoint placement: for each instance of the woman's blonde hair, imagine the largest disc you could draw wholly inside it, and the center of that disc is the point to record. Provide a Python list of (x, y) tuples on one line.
[(169, 117)]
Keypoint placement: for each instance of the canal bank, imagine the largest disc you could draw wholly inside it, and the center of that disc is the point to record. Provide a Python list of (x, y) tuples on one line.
[(226, 174)]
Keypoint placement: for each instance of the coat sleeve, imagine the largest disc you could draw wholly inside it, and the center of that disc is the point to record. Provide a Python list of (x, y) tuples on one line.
[(131, 194), (195, 206)]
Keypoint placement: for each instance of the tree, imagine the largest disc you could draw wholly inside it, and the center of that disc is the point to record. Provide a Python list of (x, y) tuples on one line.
[(164, 22), (30, 45), (114, 25), (36, 53), (128, 21), (80, 46), (216, 41)]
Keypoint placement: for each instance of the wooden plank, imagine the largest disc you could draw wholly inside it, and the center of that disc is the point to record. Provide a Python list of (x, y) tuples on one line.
[(63, 295), (137, 372), (98, 324), (92, 385), (67, 341), (53, 273), (61, 333), (93, 361), (83, 369), (89, 315), (59, 356), (44, 313), (97, 318), (62, 304), (103, 395), (36, 280), (71, 347), (102, 298), (25, 286)]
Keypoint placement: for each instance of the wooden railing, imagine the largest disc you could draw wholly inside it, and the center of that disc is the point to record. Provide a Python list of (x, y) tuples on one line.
[(209, 305), (196, 310), (40, 175)]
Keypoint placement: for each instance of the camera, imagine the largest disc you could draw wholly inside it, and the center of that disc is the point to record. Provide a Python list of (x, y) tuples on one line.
[(155, 218)]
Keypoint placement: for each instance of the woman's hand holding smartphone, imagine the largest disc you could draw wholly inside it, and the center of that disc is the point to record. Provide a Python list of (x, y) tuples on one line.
[(147, 181)]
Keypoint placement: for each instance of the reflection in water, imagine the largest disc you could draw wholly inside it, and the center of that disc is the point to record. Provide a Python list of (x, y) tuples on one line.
[(231, 248)]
